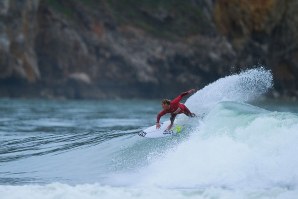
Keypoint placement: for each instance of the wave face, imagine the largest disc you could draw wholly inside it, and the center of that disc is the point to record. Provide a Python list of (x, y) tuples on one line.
[(237, 146), (236, 151)]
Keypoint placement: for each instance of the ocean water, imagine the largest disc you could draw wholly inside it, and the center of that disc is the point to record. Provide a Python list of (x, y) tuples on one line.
[(244, 147)]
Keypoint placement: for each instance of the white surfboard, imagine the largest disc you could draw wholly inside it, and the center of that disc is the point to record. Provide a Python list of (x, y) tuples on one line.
[(152, 132)]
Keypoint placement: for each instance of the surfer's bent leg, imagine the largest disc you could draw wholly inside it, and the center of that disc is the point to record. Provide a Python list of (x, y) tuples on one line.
[(173, 116), (172, 121)]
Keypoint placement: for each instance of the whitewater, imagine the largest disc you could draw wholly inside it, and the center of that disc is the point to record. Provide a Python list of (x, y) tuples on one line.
[(244, 146)]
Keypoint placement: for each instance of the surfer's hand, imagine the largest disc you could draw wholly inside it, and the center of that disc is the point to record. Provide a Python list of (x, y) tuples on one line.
[(192, 91), (157, 125)]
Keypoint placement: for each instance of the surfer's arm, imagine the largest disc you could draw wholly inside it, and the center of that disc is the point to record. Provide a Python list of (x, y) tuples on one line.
[(177, 99), (160, 114)]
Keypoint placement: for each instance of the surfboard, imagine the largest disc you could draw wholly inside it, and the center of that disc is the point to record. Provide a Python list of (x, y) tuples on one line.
[(152, 132)]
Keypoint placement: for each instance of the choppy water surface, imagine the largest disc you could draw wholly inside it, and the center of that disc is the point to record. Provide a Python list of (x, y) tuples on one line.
[(244, 147)]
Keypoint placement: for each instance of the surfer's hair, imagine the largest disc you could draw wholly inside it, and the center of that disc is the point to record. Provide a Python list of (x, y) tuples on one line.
[(166, 101)]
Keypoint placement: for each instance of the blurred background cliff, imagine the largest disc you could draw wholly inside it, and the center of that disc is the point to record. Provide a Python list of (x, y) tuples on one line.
[(93, 49)]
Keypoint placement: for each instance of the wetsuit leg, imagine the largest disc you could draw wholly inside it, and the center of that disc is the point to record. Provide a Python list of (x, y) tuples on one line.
[(173, 116)]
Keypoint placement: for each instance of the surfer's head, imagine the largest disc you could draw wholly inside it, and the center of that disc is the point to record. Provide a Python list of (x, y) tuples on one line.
[(165, 103)]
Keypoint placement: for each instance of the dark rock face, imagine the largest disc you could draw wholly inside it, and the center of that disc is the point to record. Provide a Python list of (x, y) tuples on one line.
[(111, 49), (265, 30), (17, 36)]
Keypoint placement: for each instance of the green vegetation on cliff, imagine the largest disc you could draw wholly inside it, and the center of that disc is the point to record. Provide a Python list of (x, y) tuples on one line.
[(162, 18)]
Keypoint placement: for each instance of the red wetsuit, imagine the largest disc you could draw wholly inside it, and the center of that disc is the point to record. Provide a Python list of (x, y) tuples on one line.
[(175, 108)]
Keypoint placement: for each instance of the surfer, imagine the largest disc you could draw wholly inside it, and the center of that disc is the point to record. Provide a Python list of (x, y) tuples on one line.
[(174, 107)]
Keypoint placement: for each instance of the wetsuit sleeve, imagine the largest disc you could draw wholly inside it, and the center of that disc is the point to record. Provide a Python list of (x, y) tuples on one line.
[(177, 99), (160, 115)]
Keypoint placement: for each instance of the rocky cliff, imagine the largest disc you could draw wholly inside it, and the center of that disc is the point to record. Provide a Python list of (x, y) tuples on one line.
[(111, 49)]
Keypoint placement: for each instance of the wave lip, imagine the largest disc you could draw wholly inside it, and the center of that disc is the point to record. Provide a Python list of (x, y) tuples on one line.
[(246, 86)]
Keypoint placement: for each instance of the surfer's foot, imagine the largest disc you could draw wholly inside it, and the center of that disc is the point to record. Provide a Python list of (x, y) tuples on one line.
[(192, 115)]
